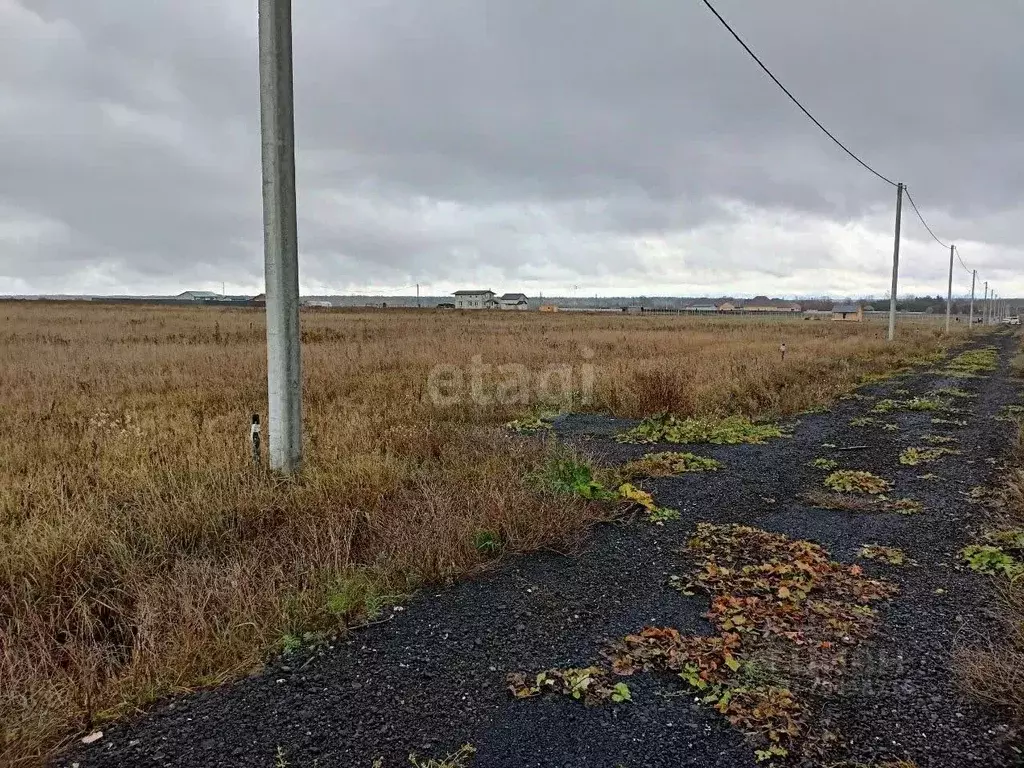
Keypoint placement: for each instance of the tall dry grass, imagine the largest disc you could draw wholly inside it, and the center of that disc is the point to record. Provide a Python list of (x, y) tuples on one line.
[(141, 554)]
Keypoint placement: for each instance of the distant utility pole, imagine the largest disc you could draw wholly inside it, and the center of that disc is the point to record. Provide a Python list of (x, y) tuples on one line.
[(970, 319), (417, 294), (984, 306), (280, 235), (895, 262), (949, 289)]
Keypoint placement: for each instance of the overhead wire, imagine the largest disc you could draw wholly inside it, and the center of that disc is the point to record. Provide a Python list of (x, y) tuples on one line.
[(914, 206), (828, 133), (793, 98)]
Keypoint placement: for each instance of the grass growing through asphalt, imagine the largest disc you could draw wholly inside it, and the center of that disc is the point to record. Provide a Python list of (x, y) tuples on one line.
[(142, 554)]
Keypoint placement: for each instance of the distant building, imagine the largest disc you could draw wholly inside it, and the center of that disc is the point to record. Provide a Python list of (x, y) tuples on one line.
[(726, 306), (259, 301), (848, 312), (198, 296), (513, 301), (764, 304), (702, 308), (475, 300)]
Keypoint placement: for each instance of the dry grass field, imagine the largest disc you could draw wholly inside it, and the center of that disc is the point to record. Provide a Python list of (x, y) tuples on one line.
[(142, 554)]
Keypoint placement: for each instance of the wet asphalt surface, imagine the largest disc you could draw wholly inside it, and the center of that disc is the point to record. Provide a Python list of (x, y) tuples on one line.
[(433, 677)]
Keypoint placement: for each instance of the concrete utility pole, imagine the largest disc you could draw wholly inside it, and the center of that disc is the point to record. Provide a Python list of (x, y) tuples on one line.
[(984, 306), (949, 288), (970, 319), (280, 236), (895, 262)]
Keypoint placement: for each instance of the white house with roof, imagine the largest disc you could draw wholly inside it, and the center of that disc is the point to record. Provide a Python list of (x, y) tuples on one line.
[(197, 296), (473, 299), (513, 301)]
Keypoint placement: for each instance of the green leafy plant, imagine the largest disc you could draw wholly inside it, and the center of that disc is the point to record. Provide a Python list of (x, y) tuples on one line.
[(570, 475), (863, 421), (856, 481), (590, 685), (670, 463), (985, 558), (730, 430), (911, 457), (655, 514), (891, 427), (827, 464), (913, 404), (487, 542)]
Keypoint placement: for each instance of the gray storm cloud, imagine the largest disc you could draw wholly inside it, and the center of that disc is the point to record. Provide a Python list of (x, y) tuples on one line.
[(622, 147)]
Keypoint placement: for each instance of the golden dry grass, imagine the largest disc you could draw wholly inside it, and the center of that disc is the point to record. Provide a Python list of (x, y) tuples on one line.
[(143, 555), (994, 669)]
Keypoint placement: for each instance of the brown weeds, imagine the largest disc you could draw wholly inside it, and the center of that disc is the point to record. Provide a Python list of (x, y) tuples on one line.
[(141, 553)]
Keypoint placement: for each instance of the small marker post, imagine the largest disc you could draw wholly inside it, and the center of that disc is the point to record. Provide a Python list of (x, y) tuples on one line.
[(254, 436)]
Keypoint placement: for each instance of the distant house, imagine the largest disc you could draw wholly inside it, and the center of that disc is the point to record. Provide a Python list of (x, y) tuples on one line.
[(513, 301), (259, 301), (848, 312), (726, 306), (764, 304), (475, 300), (197, 296)]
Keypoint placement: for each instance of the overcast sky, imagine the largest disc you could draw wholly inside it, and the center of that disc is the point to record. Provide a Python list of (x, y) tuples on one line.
[(621, 146)]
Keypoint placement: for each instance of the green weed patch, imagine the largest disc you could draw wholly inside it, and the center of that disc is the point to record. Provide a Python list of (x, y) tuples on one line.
[(730, 430), (911, 457), (913, 404), (973, 363), (1010, 413), (571, 476), (856, 481), (826, 464), (669, 463)]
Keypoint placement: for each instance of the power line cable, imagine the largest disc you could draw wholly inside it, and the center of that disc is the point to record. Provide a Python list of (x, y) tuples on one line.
[(793, 98), (914, 206), (958, 257)]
